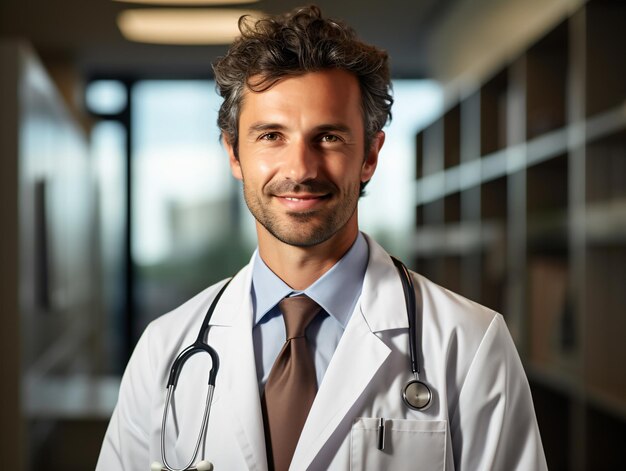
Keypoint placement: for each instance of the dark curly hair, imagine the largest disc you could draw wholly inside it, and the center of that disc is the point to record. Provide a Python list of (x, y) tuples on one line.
[(293, 44)]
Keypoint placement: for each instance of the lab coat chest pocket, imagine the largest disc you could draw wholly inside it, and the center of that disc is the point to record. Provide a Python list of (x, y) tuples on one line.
[(409, 444)]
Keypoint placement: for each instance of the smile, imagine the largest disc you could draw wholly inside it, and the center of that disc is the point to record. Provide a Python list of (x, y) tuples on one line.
[(300, 199), (302, 202)]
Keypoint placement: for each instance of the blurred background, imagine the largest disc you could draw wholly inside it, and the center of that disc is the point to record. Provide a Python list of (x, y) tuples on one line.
[(503, 177)]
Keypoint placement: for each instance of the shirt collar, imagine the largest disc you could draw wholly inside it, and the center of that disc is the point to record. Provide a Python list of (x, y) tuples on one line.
[(336, 291)]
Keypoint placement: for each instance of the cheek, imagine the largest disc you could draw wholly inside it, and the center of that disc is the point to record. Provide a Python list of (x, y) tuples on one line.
[(353, 173), (264, 168), (257, 170)]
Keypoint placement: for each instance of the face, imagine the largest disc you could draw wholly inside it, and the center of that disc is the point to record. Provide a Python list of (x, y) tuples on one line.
[(302, 157)]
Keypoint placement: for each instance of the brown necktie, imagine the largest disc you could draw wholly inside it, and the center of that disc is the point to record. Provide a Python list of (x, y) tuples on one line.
[(291, 385)]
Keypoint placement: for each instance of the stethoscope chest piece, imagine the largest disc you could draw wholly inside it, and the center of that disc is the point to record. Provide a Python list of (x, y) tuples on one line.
[(200, 466), (417, 395)]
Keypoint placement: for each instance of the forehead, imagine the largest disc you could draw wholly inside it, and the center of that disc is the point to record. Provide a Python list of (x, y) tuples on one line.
[(328, 95)]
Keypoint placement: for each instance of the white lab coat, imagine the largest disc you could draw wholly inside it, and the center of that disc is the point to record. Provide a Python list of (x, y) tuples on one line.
[(482, 417)]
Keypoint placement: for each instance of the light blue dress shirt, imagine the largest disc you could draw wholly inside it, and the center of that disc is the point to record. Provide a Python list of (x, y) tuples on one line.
[(337, 292)]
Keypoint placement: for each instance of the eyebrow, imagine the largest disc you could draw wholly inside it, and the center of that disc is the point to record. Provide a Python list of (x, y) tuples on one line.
[(334, 127), (261, 127), (331, 127)]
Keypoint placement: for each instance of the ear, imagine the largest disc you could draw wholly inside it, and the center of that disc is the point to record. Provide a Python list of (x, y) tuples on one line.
[(233, 160), (371, 158)]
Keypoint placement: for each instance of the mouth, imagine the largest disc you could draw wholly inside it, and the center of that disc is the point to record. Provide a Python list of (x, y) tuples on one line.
[(302, 202), (302, 198)]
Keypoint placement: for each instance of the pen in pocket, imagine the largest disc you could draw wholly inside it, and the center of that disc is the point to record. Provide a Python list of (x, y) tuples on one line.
[(381, 434)]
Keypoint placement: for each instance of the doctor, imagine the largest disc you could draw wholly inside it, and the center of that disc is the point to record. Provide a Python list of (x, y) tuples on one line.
[(304, 107)]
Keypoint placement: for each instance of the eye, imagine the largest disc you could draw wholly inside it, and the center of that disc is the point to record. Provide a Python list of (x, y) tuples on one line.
[(269, 136), (330, 138)]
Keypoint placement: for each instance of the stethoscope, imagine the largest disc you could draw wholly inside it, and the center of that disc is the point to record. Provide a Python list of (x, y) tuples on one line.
[(416, 394)]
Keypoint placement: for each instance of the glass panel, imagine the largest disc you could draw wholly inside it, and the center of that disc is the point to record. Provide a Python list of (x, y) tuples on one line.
[(108, 141), (185, 202)]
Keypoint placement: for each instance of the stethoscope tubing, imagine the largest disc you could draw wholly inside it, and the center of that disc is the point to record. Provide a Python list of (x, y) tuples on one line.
[(198, 346), (419, 402), (409, 299)]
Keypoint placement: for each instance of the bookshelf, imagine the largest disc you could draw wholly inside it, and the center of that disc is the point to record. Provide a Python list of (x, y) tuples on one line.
[(521, 205)]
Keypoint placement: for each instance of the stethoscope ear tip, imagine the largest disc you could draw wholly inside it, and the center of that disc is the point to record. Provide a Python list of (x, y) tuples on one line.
[(156, 466)]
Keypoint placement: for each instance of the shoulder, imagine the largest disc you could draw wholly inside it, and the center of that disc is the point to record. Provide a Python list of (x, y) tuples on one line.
[(436, 304), (465, 335), (447, 308), (450, 322), (458, 325)]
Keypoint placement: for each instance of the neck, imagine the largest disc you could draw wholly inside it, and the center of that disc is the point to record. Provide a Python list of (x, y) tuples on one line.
[(300, 267)]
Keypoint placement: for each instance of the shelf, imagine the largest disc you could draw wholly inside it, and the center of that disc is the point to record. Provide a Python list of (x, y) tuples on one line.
[(455, 239), (554, 395), (470, 127), (451, 272), (541, 149), (546, 83), (432, 213), (606, 168), (452, 208), (547, 187), (551, 321), (607, 403), (524, 210), (547, 233), (604, 124), (496, 165), (558, 379), (604, 320), (565, 382), (493, 115), (494, 200), (452, 137), (605, 223), (605, 51), (547, 146), (432, 154)]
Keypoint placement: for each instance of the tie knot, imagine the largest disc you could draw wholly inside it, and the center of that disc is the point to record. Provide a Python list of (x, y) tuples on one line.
[(298, 312)]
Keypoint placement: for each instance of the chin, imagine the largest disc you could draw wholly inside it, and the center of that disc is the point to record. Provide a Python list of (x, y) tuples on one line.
[(296, 237)]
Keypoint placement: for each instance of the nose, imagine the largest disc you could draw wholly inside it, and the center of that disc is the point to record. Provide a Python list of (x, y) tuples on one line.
[(300, 163)]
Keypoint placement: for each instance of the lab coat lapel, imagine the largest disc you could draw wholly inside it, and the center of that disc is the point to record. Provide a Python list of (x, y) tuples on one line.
[(358, 357), (238, 370)]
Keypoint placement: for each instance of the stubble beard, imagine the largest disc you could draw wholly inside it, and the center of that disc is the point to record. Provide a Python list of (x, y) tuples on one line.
[(306, 228)]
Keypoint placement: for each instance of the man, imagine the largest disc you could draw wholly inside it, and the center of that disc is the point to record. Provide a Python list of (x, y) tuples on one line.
[(304, 107)]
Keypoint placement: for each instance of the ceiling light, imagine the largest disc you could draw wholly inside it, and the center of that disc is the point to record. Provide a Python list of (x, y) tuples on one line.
[(188, 2), (182, 26)]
